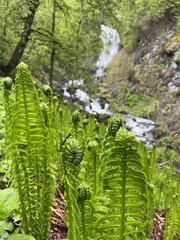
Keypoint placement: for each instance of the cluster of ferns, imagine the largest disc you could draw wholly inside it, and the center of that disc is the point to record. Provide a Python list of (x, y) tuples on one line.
[(104, 172)]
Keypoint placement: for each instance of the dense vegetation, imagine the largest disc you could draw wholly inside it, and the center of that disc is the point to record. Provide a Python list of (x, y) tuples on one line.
[(112, 183), (110, 180)]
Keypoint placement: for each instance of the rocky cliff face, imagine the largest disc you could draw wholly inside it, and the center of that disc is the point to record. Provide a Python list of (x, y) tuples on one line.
[(146, 81)]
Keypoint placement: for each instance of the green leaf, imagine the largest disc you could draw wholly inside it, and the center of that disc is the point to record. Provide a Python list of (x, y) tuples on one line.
[(8, 201), (20, 237), (2, 227)]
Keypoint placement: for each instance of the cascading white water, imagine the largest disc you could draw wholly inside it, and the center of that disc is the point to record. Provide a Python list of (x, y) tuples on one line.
[(111, 42)]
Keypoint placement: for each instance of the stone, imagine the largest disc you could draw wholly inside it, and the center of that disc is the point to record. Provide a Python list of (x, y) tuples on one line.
[(174, 65), (173, 88)]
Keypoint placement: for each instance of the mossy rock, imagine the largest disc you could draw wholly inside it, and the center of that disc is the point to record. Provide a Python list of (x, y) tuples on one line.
[(173, 43)]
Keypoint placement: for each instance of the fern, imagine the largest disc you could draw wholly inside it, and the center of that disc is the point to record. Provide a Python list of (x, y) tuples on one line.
[(32, 157), (107, 179), (125, 182), (71, 157), (148, 158), (84, 193), (172, 213)]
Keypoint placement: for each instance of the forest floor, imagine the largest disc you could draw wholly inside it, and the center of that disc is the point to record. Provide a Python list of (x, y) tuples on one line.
[(59, 228)]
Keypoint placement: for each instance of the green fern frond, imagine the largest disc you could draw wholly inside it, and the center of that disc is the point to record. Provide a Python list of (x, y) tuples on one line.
[(172, 215), (72, 156), (32, 152), (126, 184)]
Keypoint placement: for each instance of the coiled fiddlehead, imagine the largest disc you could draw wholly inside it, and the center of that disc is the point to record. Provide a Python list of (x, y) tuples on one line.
[(73, 152), (84, 193), (72, 156), (76, 118), (77, 129), (114, 125)]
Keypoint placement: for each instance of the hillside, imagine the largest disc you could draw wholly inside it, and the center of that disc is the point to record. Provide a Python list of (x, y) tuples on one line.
[(145, 81)]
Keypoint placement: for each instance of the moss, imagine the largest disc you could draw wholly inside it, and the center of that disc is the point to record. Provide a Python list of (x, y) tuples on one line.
[(139, 105), (173, 43), (176, 57)]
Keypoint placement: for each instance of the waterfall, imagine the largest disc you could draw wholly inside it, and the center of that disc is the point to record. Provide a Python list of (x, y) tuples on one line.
[(139, 126), (111, 42)]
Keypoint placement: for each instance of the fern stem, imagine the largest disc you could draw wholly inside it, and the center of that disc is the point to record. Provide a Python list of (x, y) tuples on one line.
[(123, 199), (95, 174), (83, 220)]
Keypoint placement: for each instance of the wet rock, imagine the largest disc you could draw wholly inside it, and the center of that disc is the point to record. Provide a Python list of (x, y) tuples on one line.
[(141, 127), (173, 88), (176, 79), (174, 65)]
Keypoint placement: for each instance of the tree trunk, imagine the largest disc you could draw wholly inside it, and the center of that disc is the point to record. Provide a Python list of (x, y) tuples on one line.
[(53, 49), (5, 70)]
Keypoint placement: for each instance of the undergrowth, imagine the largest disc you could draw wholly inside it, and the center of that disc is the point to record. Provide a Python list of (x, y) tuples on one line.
[(109, 179)]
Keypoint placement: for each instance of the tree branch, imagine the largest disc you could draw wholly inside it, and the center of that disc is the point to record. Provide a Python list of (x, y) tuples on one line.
[(5, 70)]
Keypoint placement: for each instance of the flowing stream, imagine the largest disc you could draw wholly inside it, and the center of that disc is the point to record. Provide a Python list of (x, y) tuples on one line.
[(139, 126)]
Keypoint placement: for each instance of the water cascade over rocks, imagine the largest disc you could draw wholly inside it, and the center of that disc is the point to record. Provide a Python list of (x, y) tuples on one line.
[(139, 126), (111, 42)]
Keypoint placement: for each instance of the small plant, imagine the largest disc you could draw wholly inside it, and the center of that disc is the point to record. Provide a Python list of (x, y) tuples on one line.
[(9, 199)]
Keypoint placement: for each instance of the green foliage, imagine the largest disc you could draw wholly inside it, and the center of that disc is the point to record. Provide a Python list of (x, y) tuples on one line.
[(136, 17), (3, 164), (125, 181), (74, 35), (9, 200), (2, 120), (71, 158), (166, 197), (172, 212), (109, 179), (31, 147), (20, 237), (113, 179)]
